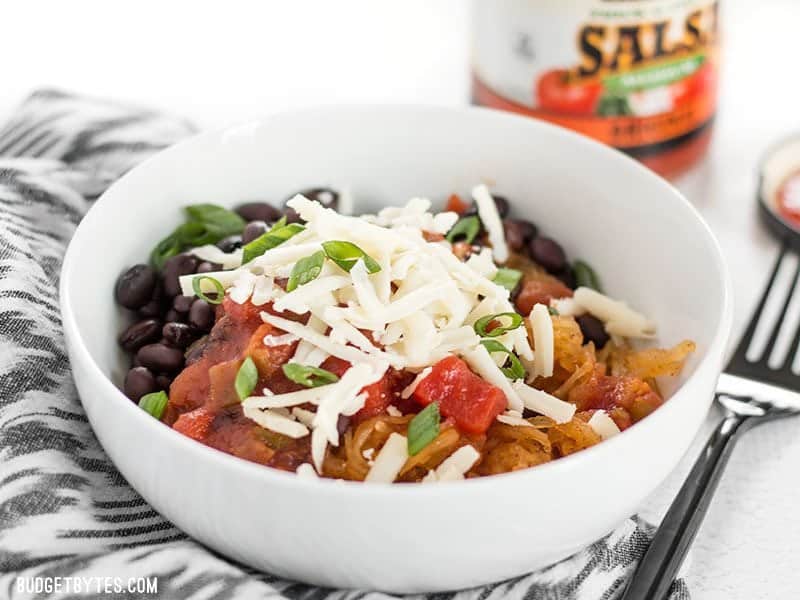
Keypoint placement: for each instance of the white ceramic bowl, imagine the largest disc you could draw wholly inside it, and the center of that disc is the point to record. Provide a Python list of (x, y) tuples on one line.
[(649, 245)]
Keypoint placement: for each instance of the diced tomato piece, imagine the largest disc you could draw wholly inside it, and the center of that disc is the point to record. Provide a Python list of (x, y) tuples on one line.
[(621, 417), (540, 290), (379, 394), (472, 402), (235, 434), (432, 236), (247, 312), (195, 424), (335, 365), (222, 379), (268, 359), (628, 399), (456, 204)]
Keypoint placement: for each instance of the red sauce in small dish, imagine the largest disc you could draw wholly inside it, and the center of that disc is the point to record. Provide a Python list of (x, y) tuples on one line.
[(788, 199)]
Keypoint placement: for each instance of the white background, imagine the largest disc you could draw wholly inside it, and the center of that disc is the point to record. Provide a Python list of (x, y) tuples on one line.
[(220, 63)]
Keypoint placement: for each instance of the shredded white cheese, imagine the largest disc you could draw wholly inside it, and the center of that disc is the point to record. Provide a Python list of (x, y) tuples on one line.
[(513, 419), (409, 389), (567, 307), (306, 417), (212, 254), (226, 278), (272, 341), (311, 396), (481, 362), (455, 466), (419, 308), (391, 458), (542, 326), (544, 403), (603, 425), (393, 411), (306, 471), (618, 317), (487, 211), (274, 421)]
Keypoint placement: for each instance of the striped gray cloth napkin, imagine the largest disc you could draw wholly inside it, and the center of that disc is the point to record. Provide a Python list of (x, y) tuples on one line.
[(65, 511)]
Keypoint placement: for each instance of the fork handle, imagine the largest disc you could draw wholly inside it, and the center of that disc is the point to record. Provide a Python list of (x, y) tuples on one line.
[(659, 566)]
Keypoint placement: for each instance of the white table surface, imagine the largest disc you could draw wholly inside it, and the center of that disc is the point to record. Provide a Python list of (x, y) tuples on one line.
[(221, 65)]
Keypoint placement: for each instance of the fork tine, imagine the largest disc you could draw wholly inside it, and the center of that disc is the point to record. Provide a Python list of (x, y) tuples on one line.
[(747, 337), (791, 353), (776, 328)]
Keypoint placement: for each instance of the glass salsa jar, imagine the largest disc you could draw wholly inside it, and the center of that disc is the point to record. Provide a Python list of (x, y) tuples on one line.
[(638, 75)]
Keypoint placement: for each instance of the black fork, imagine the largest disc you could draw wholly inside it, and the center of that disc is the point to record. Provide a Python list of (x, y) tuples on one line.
[(750, 393)]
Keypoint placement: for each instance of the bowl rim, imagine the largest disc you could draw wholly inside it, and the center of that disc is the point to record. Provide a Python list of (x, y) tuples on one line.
[(271, 476)]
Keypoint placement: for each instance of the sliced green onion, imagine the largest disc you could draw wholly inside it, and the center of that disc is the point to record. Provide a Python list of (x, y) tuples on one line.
[(553, 311), (246, 379), (279, 233), (195, 233), (423, 428), (196, 286), (515, 320), (207, 224), (347, 254), (515, 370), (308, 376), (167, 248), (305, 270), (585, 276), (508, 278), (154, 403), (222, 221), (468, 228)]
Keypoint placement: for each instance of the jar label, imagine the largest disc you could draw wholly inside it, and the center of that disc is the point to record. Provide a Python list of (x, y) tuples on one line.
[(631, 74)]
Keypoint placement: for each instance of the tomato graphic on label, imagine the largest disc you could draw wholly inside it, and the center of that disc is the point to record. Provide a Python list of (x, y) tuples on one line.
[(555, 92), (699, 83)]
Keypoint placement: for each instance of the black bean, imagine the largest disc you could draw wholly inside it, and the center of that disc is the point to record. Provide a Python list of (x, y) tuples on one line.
[(500, 202), (529, 230), (195, 351), (515, 235), (208, 267), (138, 382), (326, 196), (161, 358), (342, 424), (135, 286), (593, 330), (179, 335), (182, 264), (292, 216), (253, 230), (548, 254), (567, 277), (259, 211), (173, 316), (502, 206), (230, 243), (182, 304), (151, 309), (201, 315), (163, 382), (139, 334)]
